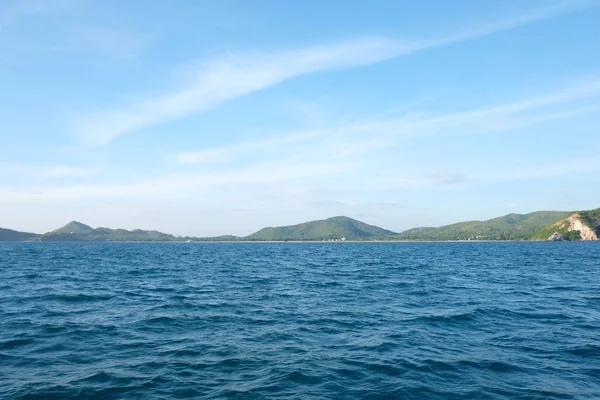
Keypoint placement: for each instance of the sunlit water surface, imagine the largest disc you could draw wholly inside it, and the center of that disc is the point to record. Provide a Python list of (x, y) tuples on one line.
[(300, 321)]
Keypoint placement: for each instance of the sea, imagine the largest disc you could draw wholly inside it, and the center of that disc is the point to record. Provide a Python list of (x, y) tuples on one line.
[(498, 320)]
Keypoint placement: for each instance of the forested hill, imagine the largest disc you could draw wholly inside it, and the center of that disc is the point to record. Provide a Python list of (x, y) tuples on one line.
[(77, 232), (8, 235), (336, 228), (508, 227), (580, 225), (540, 225)]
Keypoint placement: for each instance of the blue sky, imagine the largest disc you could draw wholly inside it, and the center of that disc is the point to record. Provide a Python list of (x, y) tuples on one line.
[(205, 118)]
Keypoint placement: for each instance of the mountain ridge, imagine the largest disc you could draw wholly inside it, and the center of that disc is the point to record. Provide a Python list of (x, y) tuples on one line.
[(508, 227), (538, 225), (75, 231), (334, 228), (9, 235), (580, 225), (73, 227)]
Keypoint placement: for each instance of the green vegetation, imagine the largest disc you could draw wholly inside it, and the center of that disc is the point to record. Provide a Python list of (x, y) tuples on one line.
[(572, 235), (222, 238), (508, 227), (538, 225), (74, 227), (334, 228), (77, 232), (8, 235), (561, 227), (592, 219)]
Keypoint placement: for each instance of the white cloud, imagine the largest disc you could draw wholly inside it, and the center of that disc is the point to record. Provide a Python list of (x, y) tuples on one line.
[(227, 78), (238, 75), (535, 15), (64, 171), (47, 171), (182, 185), (204, 157), (368, 136), (525, 173), (226, 153), (23, 8), (320, 155), (117, 43)]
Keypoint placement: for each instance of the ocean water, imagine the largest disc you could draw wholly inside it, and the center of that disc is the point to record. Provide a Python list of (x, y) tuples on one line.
[(300, 321)]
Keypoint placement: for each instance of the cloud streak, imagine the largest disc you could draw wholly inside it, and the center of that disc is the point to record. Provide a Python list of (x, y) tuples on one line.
[(47, 171), (440, 179), (238, 75), (64, 171), (361, 137), (23, 8), (181, 185), (113, 42)]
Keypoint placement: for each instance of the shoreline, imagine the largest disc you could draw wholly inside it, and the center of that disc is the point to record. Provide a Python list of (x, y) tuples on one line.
[(300, 241)]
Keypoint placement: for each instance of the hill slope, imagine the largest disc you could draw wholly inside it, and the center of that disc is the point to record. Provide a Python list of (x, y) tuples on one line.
[(511, 226), (8, 235), (74, 227), (77, 232), (331, 228), (580, 225), (540, 225)]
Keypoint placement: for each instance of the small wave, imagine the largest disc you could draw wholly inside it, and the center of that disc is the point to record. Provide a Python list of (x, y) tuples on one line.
[(181, 353), (77, 298), (435, 366), (14, 343), (161, 321), (87, 328), (388, 369), (495, 366), (588, 350), (301, 377), (447, 318)]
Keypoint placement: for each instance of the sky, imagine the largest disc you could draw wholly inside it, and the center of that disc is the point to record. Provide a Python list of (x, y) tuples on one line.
[(221, 117)]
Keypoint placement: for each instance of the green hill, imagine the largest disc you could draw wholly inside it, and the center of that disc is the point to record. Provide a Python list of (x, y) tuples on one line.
[(8, 235), (538, 225), (334, 228), (592, 219), (511, 226), (74, 227), (580, 225), (77, 232), (222, 238)]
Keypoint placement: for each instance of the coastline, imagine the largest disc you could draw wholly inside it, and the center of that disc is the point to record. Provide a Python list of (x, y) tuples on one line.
[(288, 241)]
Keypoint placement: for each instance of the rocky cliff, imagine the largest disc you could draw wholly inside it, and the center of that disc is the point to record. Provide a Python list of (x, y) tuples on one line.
[(581, 225)]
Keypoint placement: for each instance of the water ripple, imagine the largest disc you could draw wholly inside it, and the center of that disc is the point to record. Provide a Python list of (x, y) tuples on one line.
[(300, 321)]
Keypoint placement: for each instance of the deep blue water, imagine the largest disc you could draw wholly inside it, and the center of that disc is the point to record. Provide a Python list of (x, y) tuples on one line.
[(300, 321)]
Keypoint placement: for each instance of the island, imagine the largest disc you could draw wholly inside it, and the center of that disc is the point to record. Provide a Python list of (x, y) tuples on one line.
[(535, 226)]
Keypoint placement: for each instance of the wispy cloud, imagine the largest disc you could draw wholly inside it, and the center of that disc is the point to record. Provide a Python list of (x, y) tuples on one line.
[(525, 173), (550, 11), (181, 185), (47, 171), (283, 180), (64, 171), (227, 78), (226, 153), (22, 8), (370, 135), (238, 75), (509, 116), (112, 42)]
